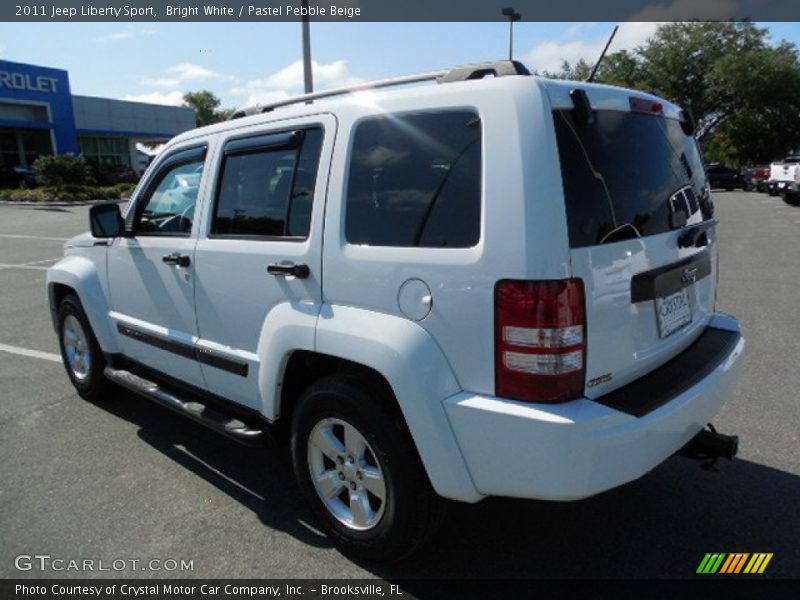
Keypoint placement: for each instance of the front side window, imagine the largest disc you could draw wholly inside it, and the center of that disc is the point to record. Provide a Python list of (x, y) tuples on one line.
[(267, 187), (415, 180), (170, 201)]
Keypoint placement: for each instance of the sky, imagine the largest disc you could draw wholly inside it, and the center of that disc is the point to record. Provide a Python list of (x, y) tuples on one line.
[(250, 63)]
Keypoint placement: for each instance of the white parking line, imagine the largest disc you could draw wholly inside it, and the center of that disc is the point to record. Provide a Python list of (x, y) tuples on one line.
[(27, 267), (13, 236), (30, 353), (38, 262)]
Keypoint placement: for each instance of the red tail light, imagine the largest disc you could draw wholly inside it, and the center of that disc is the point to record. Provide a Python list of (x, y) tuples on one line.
[(647, 107), (540, 340)]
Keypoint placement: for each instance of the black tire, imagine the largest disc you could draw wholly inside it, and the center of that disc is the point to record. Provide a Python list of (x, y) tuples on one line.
[(94, 384), (412, 511), (791, 198), (772, 191)]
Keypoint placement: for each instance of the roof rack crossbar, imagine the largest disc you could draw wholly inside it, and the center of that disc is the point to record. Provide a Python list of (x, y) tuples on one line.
[(498, 68), (361, 87)]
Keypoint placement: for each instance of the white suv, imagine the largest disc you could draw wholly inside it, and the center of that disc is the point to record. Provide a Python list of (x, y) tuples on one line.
[(498, 286)]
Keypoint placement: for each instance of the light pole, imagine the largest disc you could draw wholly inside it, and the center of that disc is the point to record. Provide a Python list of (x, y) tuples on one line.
[(307, 75), (512, 16)]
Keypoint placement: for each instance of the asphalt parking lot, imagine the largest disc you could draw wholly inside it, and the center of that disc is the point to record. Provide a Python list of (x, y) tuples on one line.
[(126, 479)]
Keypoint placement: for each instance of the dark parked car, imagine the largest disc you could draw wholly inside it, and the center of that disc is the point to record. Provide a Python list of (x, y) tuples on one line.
[(724, 177), (17, 177)]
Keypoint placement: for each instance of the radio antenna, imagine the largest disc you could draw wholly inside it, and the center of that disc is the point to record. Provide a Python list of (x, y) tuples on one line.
[(602, 55)]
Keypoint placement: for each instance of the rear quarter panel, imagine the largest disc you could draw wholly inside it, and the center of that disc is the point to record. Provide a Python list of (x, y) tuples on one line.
[(523, 228)]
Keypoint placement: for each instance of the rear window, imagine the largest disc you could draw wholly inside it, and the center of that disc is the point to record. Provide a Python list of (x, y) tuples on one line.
[(415, 180), (625, 174)]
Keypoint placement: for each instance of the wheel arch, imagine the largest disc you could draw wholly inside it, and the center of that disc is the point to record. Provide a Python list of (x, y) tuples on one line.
[(79, 276), (400, 358)]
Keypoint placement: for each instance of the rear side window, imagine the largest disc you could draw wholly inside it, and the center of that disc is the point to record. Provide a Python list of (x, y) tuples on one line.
[(415, 180), (626, 174), (267, 185)]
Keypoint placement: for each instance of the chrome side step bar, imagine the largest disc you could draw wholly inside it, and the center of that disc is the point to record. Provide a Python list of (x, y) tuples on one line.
[(210, 417)]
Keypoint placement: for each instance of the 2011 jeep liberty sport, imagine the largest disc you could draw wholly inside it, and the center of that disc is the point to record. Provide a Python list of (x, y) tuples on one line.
[(499, 286)]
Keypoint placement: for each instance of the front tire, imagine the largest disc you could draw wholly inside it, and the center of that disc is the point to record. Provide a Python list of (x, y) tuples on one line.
[(359, 470), (81, 354)]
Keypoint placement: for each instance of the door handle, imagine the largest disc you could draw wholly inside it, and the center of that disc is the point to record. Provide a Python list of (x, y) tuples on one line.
[(696, 236), (177, 259), (299, 271)]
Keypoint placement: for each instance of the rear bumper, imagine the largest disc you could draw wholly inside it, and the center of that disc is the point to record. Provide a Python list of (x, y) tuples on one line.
[(580, 448), (783, 184)]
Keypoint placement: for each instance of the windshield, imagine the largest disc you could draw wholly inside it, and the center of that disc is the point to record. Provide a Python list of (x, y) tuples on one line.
[(627, 174)]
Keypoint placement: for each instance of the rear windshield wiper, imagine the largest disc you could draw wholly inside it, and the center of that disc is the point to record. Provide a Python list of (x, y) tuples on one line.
[(626, 231), (597, 175)]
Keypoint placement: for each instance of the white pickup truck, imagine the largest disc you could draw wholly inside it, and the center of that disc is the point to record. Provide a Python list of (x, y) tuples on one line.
[(499, 286), (784, 179)]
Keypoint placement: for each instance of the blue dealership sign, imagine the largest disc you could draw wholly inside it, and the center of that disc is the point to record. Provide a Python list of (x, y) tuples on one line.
[(41, 86)]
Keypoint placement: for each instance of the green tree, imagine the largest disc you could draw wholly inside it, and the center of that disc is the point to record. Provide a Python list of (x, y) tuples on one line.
[(621, 68), (759, 91), (743, 90), (207, 107), (579, 71)]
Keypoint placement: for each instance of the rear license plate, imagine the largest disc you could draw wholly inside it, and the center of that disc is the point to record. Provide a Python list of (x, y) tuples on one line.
[(673, 312)]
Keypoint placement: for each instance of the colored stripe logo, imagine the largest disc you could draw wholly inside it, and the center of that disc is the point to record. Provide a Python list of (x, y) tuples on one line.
[(734, 562)]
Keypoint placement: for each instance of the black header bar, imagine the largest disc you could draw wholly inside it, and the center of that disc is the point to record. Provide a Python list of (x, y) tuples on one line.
[(126, 11)]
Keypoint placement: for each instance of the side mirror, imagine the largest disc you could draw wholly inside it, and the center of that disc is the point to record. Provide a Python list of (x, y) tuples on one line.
[(106, 221)]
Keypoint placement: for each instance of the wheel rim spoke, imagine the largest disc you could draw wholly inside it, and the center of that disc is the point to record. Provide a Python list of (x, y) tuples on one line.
[(329, 484), (354, 442), (359, 506), (373, 482), (327, 442)]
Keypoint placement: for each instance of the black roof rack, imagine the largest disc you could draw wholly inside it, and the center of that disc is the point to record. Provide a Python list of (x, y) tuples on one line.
[(501, 68)]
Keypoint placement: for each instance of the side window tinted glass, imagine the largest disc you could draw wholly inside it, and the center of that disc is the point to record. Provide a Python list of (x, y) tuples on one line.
[(169, 209), (268, 191), (415, 180), (305, 178)]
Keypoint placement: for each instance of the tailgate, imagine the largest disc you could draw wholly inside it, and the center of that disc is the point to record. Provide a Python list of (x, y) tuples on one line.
[(785, 171), (642, 236), (646, 302)]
